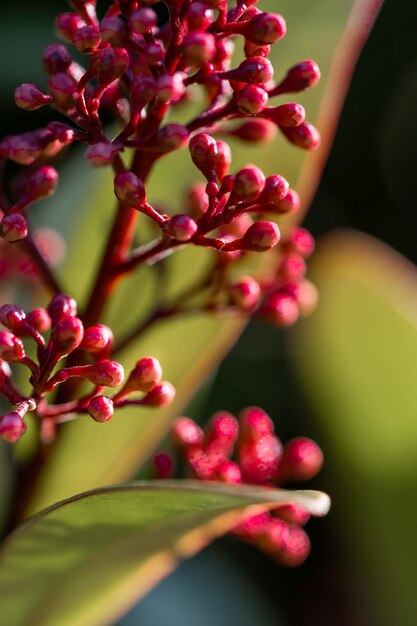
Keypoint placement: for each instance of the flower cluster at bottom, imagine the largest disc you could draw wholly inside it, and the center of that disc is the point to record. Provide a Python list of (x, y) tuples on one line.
[(247, 450)]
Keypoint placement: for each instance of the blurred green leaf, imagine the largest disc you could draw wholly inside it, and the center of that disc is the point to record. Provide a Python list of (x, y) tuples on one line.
[(84, 561), (357, 357)]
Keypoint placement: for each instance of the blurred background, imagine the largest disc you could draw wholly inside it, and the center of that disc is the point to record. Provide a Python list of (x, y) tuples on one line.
[(345, 377)]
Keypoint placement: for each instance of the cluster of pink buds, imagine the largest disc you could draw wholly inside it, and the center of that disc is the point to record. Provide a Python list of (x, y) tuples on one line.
[(247, 450), (66, 334)]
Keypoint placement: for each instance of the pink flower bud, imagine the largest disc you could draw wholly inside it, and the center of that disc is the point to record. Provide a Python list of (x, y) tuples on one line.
[(252, 99), (254, 49), (61, 306), (97, 338), (86, 39), (275, 189), (42, 182), (245, 293), (66, 336), (304, 136), (289, 204), (198, 47), (182, 227), (266, 28), (301, 242), (160, 395), (170, 137), (39, 319), (260, 236), (307, 298), (163, 466), (248, 183), (293, 514), (63, 133), (63, 89), (102, 153), (170, 88), (279, 309), (296, 548), (299, 77), (24, 149), (229, 472), (197, 201), (224, 159), (56, 58), (204, 153), (142, 89), (29, 97), (66, 24), (12, 427), (199, 16), (186, 434), (129, 189), (105, 373), (145, 375), (255, 131), (143, 21), (253, 526), (11, 347), (12, 316), (155, 53), (110, 63), (221, 434), (259, 459), (13, 227), (113, 30), (254, 423), (287, 115), (302, 460), (101, 408), (292, 268), (256, 70)]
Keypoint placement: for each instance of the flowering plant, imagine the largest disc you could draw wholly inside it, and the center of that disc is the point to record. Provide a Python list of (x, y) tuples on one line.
[(142, 64)]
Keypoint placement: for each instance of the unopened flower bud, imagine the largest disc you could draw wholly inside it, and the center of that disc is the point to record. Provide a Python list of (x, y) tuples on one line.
[(105, 373), (275, 189), (12, 316), (142, 89), (61, 306), (259, 460), (292, 268), (248, 183), (39, 319), (197, 201), (56, 58), (66, 336), (245, 293), (110, 63), (289, 204), (224, 160), (296, 548), (163, 466), (182, 227), (198, 47), (286, 115), (256, 70), (302, 459), (204, 153), (13, 227), (143, 21), (252, 99), (255, 131), (160, 395), (24, 149), (97, 338), (279, 309), (222, 433), (301, 242), (199, 16), (229, 472), (145, 375), (255, 49), (42, 182), (11, 347), (102, 153), (101, 408), (29, 97), (186, 434), (87, 39), (304, 136), (155, 53), (254, 423), (113, 30), (12, 427), (170, 137), (170, 88), (129, 189), (299, 77), (67, 24), (261, 236), (266, 28), (293, 514), (62, 88)]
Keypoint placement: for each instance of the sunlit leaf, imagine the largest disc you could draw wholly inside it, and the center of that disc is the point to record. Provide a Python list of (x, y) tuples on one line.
[(84, 561)]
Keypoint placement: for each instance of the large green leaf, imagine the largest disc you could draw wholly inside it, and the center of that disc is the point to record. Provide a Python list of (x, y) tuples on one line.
[(84, 561), (357, 357), (188, 349)]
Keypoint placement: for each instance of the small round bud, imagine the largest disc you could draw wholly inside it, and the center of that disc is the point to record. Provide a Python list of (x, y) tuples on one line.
[(86, 39), (256, 70), (129, 189), (12, 427), (110, 63), (279, 309), (304, 136), (286, 115), (24, 149), (259, 459), (143, 21), (63, 133), (266, 28), (142, 89), (113, 30), (39, 320), (145, 375), (289, 204), (101, 408), (198, 48), (254, 423), (224, 159), (29, 97), (222, 433), (42, 182), (197, 201), (293, 514), (299, 77), (11, 347), (63, 89), (252, 99), (245, 293), (170, 88), (102, 153), (199, 16), (97, 338), (255, 131), (229, 472), (204, 152), (302, 459), (182, 227), (186, 434), (56, 58), (12, 316), (163, 466), (261, 236), (170, 137), (295, 549), (254, 49), (275, 189), (155, 53), (105, 373), (248, 183), (160, 395), (307, 298), (61, 306), (67, 24), (13, 227), (66, 336), (292, 268), (301, 242)]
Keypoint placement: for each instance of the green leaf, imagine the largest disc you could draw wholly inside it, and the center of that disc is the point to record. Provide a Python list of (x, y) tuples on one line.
[(84, 561), (357, 357)]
